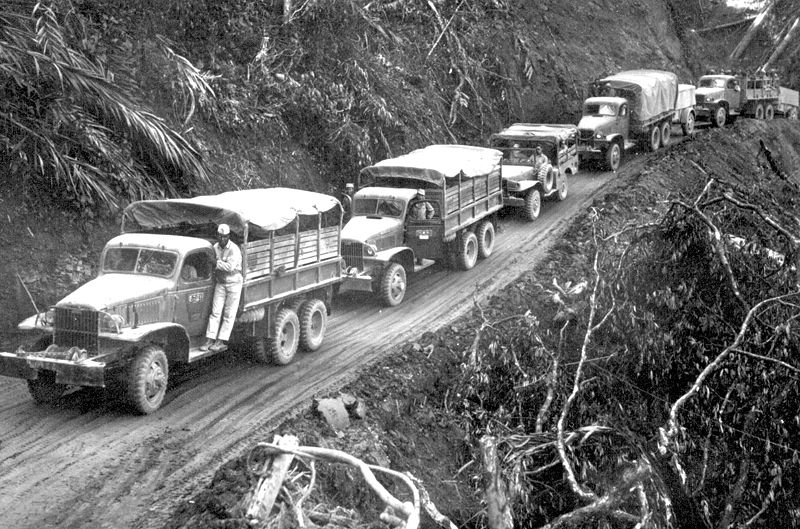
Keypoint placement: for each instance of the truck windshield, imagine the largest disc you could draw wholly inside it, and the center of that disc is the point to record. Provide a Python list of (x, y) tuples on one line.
[(601, 109), (384, 207), (712, 82), (140, 261)]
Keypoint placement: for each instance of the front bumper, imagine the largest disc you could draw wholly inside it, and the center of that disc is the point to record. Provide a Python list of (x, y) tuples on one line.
[(360, 282), (28, 364), (592, 148)]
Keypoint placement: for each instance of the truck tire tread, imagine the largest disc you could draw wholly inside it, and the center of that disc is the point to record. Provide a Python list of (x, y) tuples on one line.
[(393, 285), (485, 234), (313, 324), (285, 338), (467, 251), (147, 379), (44, 389)]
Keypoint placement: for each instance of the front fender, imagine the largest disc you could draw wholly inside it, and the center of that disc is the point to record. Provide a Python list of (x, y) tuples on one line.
[(172, 336), (401, 254)]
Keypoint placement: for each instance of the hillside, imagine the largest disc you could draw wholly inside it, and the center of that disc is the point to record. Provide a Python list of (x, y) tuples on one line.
[(305, 98)]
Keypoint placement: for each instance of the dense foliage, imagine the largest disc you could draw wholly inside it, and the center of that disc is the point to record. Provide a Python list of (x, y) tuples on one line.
[(670, 377), (74, 129)]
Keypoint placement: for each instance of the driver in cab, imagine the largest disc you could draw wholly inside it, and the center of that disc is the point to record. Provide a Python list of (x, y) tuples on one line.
[(420, 208)]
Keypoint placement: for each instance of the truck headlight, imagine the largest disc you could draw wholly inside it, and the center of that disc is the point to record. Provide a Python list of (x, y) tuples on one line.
[(370, 249), (111, 322), (599, 136)]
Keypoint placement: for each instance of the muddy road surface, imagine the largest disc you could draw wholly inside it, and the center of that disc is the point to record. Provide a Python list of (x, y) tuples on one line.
[(87, 462)]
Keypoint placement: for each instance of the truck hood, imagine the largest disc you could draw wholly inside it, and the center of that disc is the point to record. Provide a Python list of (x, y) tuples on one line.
[(109, 290), (517, 173), (366, 228), (709, 92), (595, 123)]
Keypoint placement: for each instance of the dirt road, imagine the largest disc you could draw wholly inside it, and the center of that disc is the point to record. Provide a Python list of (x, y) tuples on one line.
[(88, 463)]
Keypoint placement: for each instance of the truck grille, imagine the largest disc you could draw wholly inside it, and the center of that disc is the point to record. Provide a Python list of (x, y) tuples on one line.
[(353, 253), (76, 328), (699, 99), (586, 134)]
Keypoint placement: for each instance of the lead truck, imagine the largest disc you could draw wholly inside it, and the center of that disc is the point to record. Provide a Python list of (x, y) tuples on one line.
[(382, 246), (148, 308), (626, 109)]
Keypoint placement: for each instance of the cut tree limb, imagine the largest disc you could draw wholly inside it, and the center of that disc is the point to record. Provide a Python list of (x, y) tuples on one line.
[(272, 476)]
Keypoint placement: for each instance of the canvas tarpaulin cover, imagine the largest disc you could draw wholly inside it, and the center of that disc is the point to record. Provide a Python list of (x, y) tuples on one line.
[(435, 163), (655, 91), (261, 210)]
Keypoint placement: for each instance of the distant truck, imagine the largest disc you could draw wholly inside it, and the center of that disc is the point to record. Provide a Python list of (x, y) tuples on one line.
[(721, 98), (148, 308), (382, 246), (525, 185), (631, 107)]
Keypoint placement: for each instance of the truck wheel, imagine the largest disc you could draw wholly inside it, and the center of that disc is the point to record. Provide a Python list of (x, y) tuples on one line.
[(769, 112), (44, 389), (468, 251), (485, 235), (393, 285), (720, 117), (688, 127), (759, 113), (533, 204), (666, 132), (613, 156), (546, 177), (258, 349), (147, 379), (563, 187), (285, 336), (655, 139), (313, 323), (792, 114)]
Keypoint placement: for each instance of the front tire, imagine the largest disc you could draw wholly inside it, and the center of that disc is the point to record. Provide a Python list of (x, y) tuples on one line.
[(147, 379), (285, 337), (688, 127), (393, 285), (468, 251), (485, 235), (613, 156), (313, 324), (533, 204), (44, 389), (759, 112), (720, 117)]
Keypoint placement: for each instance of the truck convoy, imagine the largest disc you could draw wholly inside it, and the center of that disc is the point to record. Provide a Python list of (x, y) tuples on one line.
[(524, 183), (721, 98), (630, 107), (382, 245), (148, 307)]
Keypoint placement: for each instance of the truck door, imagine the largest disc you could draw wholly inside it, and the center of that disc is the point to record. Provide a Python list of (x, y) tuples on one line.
[(426, 236), (195, 292), (735, 95), (623, 120)]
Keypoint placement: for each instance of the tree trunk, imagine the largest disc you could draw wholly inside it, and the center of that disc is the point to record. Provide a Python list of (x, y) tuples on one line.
[(751, 31), (782, 46)]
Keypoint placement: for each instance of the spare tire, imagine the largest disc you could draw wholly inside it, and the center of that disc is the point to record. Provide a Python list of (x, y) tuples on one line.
[(546, 177)]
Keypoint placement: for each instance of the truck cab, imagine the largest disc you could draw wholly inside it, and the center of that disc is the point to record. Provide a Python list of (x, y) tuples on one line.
[(718, 98), (603, 129)]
